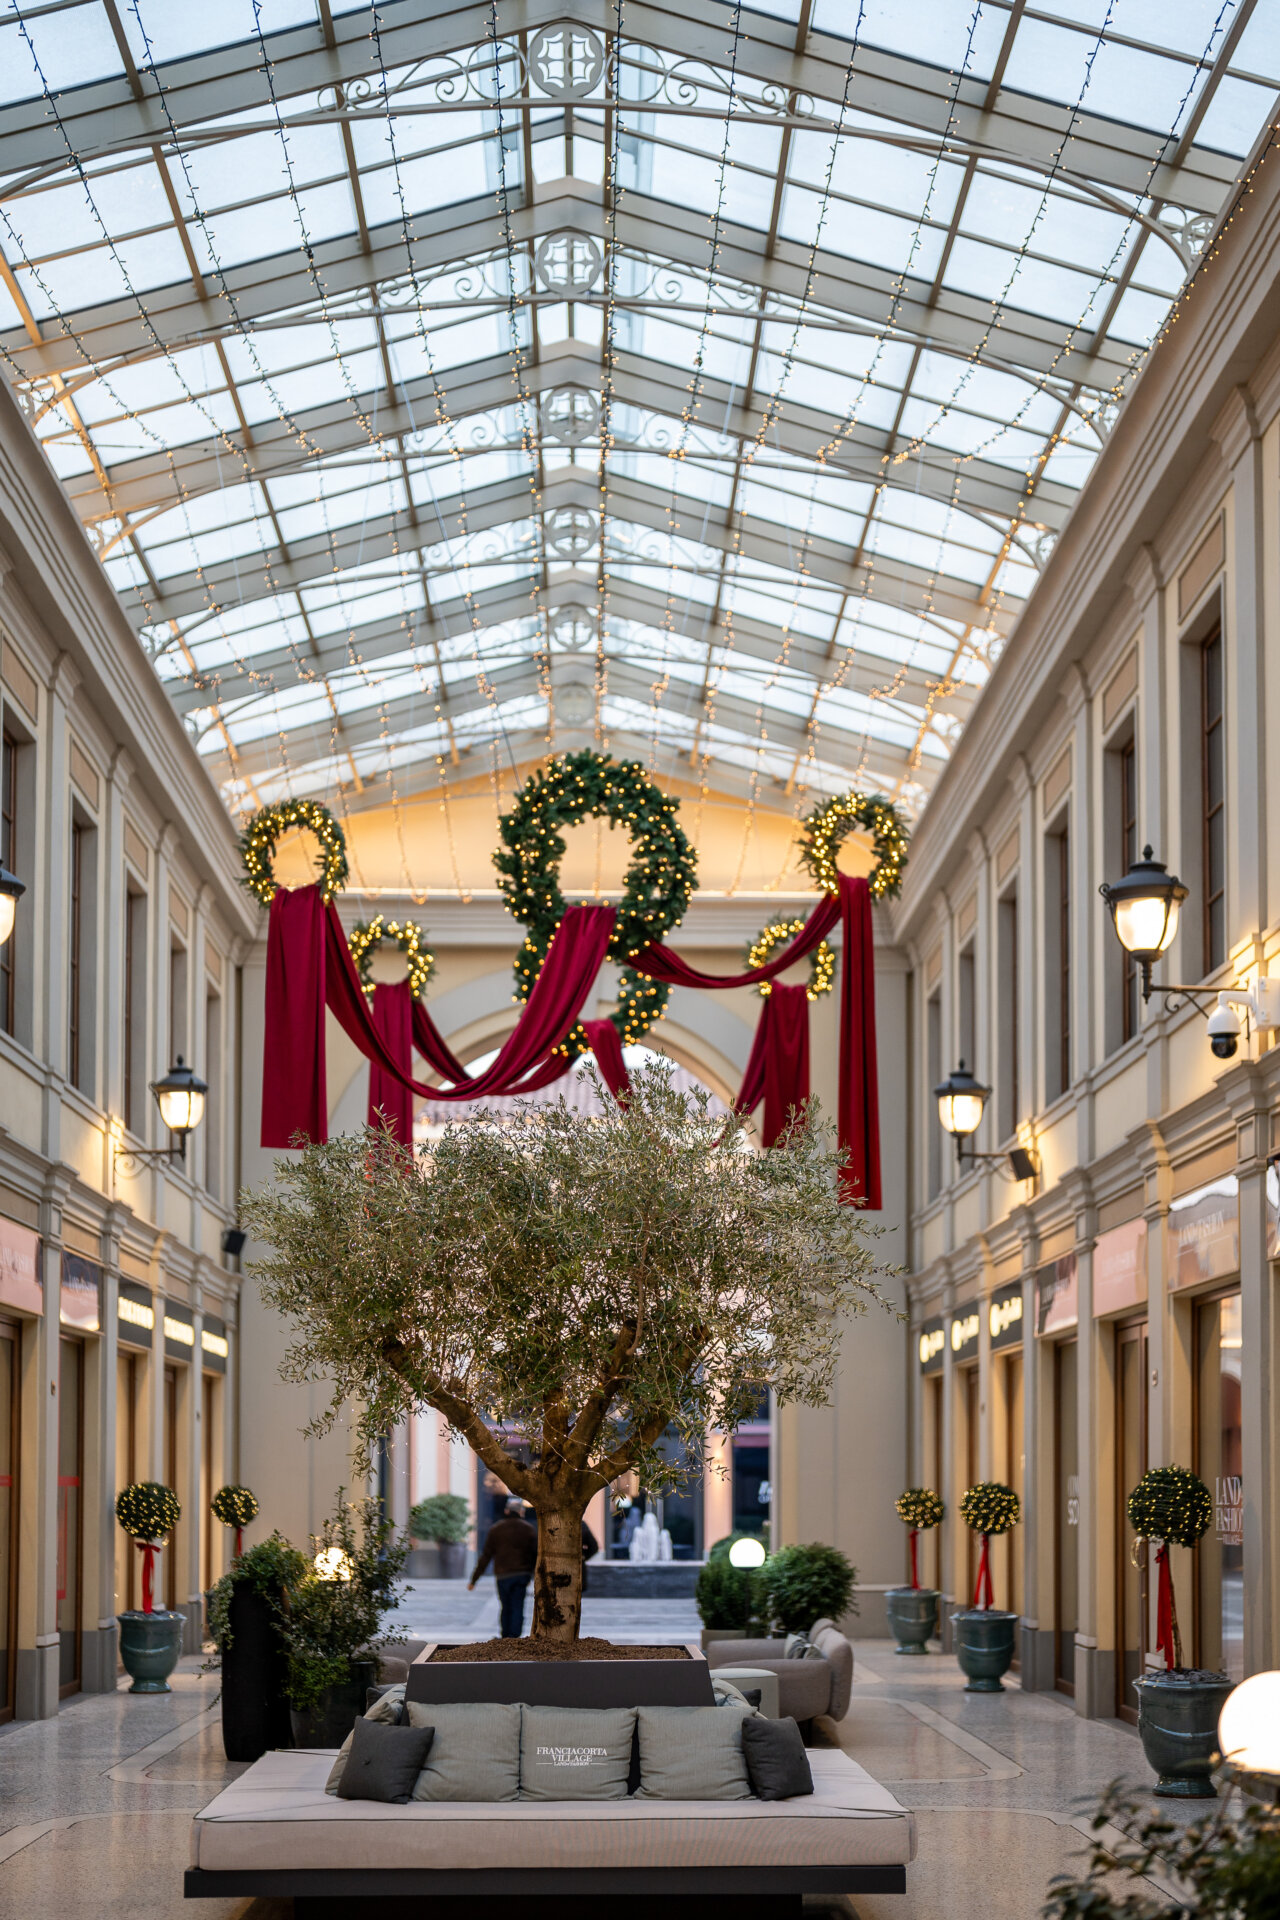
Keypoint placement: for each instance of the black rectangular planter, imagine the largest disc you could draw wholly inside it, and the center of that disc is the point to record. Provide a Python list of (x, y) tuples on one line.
[(563, 1683)]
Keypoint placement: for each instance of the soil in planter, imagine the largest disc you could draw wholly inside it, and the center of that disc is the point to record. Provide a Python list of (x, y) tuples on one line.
[(546, 1650)]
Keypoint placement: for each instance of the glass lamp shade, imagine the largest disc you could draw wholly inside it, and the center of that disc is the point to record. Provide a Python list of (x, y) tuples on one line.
[(331, 1563), (1145, 906), (180, 1098), (1249, 1726), (961, 1100), (11, 889), (747, 1553)]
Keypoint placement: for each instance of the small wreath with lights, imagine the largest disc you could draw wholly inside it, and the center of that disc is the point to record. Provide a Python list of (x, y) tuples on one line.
[(234, 1506), (259, 839), (822, 961), (659, 881), (990, 1507), (1172, 1505), (823, 832), (921, 1508), (148, 1511), (367, 936)]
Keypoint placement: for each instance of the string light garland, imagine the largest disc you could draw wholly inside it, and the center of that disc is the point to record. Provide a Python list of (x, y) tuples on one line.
[(824, 831), (258, 846), (822, 961), (657, 888), (990, 1507), (367, 936), (1171, 1504), (921, 1508)]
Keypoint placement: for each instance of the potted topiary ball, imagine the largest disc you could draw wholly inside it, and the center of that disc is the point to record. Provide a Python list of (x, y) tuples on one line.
[(983, 1633), (801, 1584), (1177, 1709), (150, 1640), (235, 1507), (444, 1521), (913, 1610)]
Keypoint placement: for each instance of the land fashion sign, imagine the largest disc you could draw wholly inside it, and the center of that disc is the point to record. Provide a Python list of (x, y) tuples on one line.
[(1120, 1268), (1004, 1317), (80, 1300), (1204, 1233), (1057, 1296), (930, 1343)]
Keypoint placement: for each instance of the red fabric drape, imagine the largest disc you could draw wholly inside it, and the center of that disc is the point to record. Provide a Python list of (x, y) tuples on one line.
[(777, 1071), (663, 963), (389, 1097), (433, 1047), (1164, 1607), (606, 1044), (294, 1094), (859, 1114), (983, 1592)]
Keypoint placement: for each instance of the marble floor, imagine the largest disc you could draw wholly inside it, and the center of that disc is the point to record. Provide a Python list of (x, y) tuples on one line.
[(95, 1805)]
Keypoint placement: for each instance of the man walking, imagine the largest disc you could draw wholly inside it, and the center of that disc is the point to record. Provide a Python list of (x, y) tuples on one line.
[(512, 1545)]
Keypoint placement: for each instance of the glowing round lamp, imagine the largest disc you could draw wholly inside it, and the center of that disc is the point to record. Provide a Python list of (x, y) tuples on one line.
[(1249, 1726), (180, 1098), (331, 1563), (11, 889), (747, 1553), (1144, 906), (960, 1100)]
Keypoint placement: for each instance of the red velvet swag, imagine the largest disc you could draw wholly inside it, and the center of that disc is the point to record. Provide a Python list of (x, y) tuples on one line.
[(778, 1069), (392, 1006)]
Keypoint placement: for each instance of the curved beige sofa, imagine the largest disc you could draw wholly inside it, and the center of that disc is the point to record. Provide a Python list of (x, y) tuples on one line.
[(806, 1688)]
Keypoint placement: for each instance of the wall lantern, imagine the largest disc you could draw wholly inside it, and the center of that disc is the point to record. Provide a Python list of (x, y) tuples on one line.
[(180, 1097), (1145, 907), (11, 891), (961, 1100)]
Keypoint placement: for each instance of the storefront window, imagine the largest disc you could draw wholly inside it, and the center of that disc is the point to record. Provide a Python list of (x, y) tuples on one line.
[(1220, 1560), (70, 1510), (1066, 1513)]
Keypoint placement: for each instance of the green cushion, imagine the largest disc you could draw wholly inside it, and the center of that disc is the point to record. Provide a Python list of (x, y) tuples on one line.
[(692, 1753), (475, 1754), (575, 1753)]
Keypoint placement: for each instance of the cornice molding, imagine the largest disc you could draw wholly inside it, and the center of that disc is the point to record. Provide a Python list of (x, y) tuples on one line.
[(1236, 427), (1144, 577)]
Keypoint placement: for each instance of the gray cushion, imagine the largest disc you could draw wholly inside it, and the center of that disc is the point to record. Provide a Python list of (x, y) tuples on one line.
[(777, 1764), (575, 1753), (692, 1753), (475, 1754), (385, 1711), (384, 1762), (795, 1646)]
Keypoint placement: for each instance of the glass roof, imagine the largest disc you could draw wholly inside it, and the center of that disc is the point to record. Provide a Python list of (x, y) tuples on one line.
[(440, 387)]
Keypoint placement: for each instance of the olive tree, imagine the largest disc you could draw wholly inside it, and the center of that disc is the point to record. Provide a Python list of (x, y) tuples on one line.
[(606, 1291)]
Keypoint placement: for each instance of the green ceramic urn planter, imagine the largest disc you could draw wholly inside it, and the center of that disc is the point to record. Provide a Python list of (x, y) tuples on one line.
[(913, 1617), (149, 1647), (1178, 1724), (984, 1646)]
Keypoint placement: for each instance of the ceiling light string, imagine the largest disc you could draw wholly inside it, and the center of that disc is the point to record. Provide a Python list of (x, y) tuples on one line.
[(612, 192)]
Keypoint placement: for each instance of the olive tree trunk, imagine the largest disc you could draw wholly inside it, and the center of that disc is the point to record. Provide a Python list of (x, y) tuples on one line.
[(557, 1578)]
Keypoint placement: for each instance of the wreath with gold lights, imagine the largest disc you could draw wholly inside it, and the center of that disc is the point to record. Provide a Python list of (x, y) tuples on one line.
[(1171, 1504), (659, 881), (822, 961), (367, 936), (824, 830), (921, 1508), (259, 839), (990, 1507)]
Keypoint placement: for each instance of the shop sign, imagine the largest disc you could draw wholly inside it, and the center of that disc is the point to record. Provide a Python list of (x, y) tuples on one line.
[(1057, 1296), (1228, 1509), (80, 1301), (213, 1344), (1120, 1268), (965, 1322), (1204, 1233), (179, 1331), (1004, 1317), (135, 1315), (21, 1282), (930, 1342)]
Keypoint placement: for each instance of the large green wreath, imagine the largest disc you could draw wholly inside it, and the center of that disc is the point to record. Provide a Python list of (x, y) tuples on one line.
[(147, 1511), (258, 846), (366, 937), (1171, 1504), (823, 831), (659, 881)]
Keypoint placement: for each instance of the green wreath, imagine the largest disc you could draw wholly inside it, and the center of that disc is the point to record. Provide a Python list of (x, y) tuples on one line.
[(659, 881), (366, 937), (234, 1506), (822, 961), (824, 830), (258, 846), (990, 1507), (147, 1511), (921, 1507), (1171, 1504)]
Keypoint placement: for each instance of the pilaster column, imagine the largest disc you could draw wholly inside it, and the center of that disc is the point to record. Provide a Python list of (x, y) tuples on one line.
[(1239, 436), (51, 1030), (1086, 921), (119, 775), (1029, 1067)]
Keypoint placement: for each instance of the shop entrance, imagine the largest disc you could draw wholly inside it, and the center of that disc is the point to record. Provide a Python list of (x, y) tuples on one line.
[(972, 1439), (170, 1555), (10, 1334), (934, 1476), (1131, 1464), (70, 1511), (1012, 1471), (1066, 1514), (1219, 1617)]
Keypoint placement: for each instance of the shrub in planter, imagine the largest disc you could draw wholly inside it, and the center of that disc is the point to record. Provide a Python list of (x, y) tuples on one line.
[(1177, 1709), (333, 1620), (1226, 1867), (150, 1639), (983, 1633), (444, 1519), (803, 1584), (246, 1618), (913, 1610), (728, 1597), (235, 1507)]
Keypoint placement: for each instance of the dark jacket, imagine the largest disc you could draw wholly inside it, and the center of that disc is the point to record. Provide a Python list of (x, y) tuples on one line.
[(512, 1546)]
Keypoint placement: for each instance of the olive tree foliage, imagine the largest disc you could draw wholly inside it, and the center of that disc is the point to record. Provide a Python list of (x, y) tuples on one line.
[(595, 1286)]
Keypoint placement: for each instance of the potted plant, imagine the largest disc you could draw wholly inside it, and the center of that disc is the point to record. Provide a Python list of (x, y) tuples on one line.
[(983, 1633), (913, 1610), (333, 1618), (728, 1598), (246, 1617), (235, 1507), (1177, 1709), (443, 1520), (582, 1297), (1224, 1865), (150, 1640), (804, 1584)]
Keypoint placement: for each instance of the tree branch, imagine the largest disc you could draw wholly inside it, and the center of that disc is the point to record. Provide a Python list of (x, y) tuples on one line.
[(464, 1419)]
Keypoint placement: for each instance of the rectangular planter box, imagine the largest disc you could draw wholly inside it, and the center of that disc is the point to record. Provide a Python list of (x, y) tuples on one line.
[(564, 1683)]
